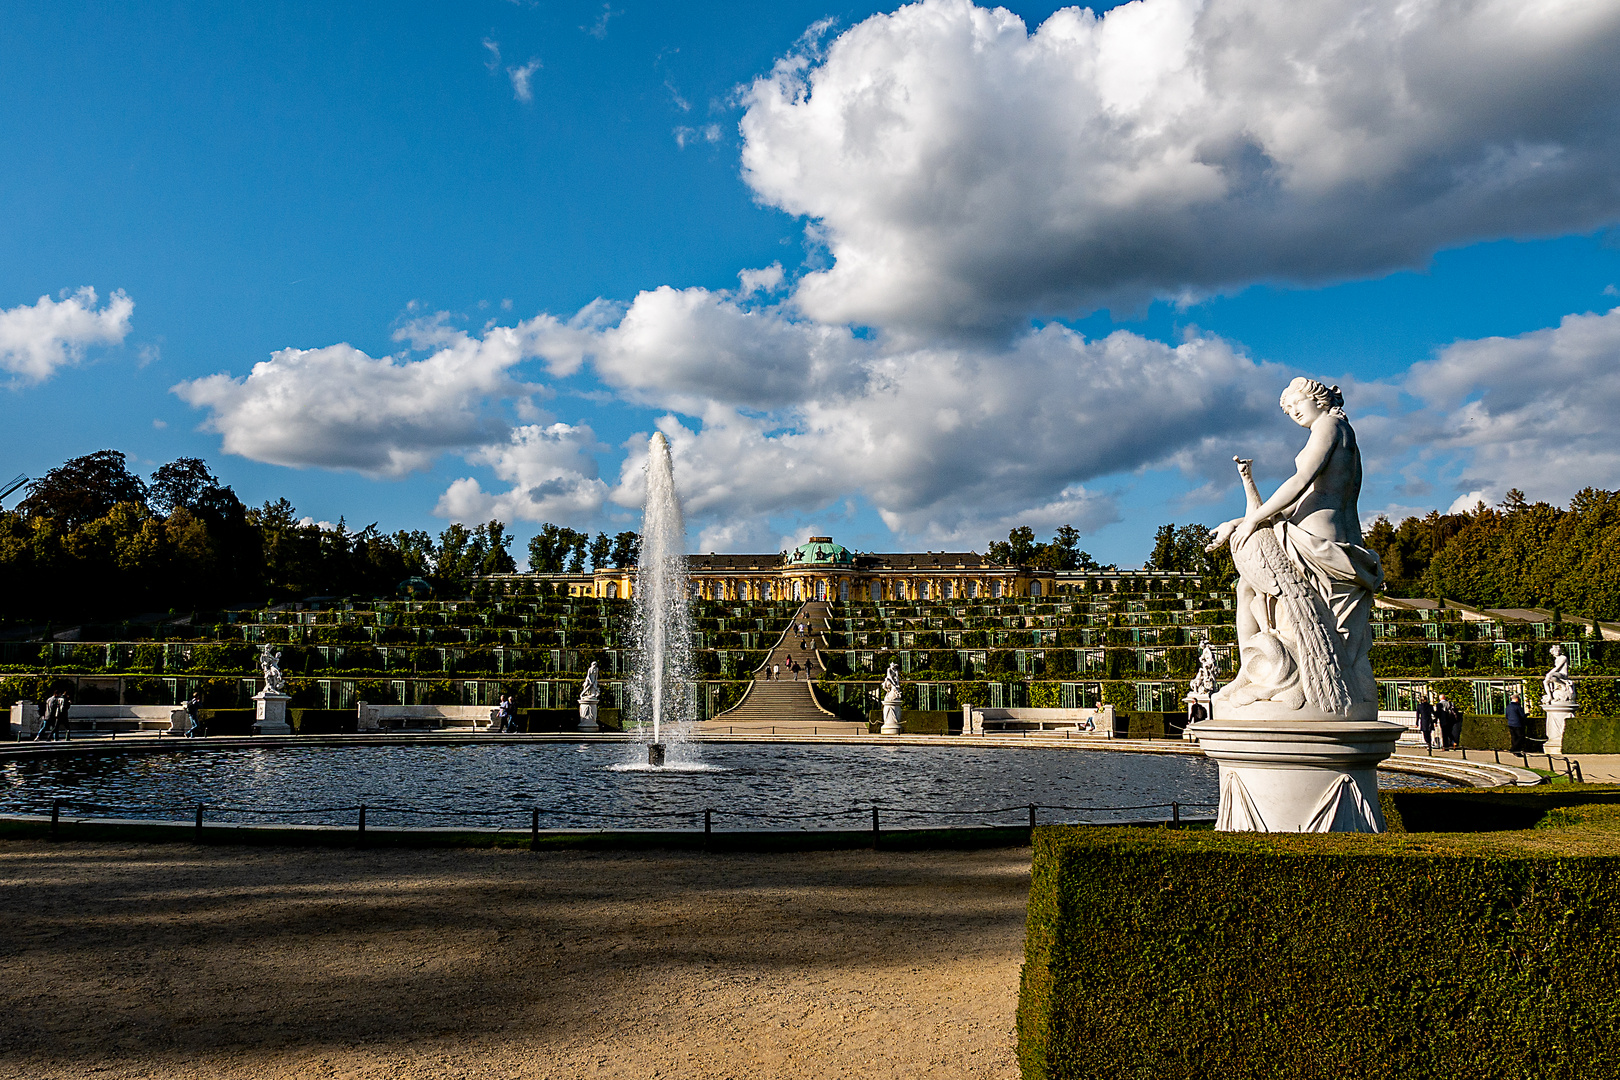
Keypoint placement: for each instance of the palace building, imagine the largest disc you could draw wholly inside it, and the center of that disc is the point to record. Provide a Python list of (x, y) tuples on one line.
[(820, 569)]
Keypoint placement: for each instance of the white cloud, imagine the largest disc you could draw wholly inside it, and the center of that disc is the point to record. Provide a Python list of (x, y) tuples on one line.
[(599, 29), (37, 339), (708, 133), (1536, 411), (552, 472), (521, 76), (965, 172), (338, 408), (766, 279), (947, 442), (494, 48)]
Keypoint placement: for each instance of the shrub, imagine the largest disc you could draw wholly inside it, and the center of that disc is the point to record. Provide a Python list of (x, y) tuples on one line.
[(323, 721), (1592, 735), (226, 721), (1183, 954)]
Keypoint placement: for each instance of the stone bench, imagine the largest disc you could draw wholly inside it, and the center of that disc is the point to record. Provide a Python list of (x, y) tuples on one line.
[(425, 717), (25, 718), (977, 720)]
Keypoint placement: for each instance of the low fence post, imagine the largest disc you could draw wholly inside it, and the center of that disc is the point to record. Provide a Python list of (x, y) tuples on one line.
[(362, 819), (534, 829), (1175, 813), (1032, 817), (199, 820), (874, 828), (56, 813)]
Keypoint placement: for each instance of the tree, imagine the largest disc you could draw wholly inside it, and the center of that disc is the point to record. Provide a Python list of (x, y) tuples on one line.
[(556, 548), (77, 492), (182, 482), (626, 549), (600, 549)]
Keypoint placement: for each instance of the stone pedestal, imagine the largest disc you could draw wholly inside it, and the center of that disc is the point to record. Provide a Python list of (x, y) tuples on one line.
[(270, 714), (1557, 717), (891, 715), (1299, 776), (587, 714)]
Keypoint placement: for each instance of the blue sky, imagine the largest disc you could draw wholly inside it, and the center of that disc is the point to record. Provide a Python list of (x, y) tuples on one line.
[(963, 208)]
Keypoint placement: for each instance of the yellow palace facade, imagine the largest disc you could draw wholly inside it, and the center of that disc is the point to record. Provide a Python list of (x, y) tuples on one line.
[(820, 569)]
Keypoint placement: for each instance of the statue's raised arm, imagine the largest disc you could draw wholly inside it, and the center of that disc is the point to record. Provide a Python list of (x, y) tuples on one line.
[(1306, 580)]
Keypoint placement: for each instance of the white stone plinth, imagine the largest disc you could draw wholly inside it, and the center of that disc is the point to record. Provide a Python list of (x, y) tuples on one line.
[(270, 714), (1299, 776), (587, 714), (891, 716), (1557, 717)]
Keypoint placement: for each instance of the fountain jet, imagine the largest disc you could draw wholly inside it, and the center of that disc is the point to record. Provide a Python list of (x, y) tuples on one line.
[(661, 687)]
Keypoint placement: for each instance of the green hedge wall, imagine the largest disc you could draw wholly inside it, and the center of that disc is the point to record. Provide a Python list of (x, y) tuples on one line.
[(1183, 954)]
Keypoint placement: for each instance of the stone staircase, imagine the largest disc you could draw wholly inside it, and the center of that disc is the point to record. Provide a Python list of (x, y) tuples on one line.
[(784, 706)]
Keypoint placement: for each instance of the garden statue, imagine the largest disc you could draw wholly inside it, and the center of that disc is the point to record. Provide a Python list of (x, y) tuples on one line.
[(1296, 733), (270, 668), (1306, 580), (892, 700), (1557, 700), (1203, 683), (1557, 688), (589, 698)]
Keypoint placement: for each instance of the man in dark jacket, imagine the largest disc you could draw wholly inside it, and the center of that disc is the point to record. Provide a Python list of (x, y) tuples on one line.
[(1516, 723), (1425, 720), (1450, 722)]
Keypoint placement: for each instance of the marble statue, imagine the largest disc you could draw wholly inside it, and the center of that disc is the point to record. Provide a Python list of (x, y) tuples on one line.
[(1203, 683), (1557, 688), (1306, 579), (270, 668), (892, 700), (590, 697)]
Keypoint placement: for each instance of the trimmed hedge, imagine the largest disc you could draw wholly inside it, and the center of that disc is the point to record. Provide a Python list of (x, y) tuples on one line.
[(1591, 734), (324, 721), (1188, 954), (226, 721), (920, 721)]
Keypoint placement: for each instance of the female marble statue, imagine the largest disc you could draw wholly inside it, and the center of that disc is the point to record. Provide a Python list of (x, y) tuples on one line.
[(1306, 583)]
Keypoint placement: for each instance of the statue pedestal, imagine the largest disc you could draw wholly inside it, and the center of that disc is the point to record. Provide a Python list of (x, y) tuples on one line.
[(270, 714), (1557, 717), (1299, 775), (891, 715), (587, 714)]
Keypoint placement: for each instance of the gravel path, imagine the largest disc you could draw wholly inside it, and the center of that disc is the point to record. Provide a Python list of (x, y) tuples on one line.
[(180, 961)]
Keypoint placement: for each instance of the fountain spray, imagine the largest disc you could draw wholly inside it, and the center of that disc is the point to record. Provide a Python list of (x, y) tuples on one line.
[(661, 686)]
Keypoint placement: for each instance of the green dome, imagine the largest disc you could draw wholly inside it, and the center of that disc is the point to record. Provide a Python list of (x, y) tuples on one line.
[(820, 549)]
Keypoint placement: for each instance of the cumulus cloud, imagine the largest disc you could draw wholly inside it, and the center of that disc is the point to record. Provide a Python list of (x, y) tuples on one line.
[(946, 441), (1534, 411), (552, 472), (964, 172), (336, 407), (37, 339)]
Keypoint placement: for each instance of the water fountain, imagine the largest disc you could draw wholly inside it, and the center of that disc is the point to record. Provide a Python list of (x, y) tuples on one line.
[(661, 682)]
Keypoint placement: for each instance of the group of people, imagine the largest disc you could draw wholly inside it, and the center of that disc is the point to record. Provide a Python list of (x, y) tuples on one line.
[(1440, 722), (53, 721), (796, 670)]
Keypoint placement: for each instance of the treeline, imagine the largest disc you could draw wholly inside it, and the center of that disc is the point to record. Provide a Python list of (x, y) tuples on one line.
[(93, 539), (1515, 554)]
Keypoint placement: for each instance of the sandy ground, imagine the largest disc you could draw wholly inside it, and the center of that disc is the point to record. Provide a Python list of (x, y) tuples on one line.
[(181, 961)]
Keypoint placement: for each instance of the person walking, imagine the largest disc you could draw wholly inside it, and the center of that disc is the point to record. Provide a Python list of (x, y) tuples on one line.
[(776, 672), (1516, 723), (1450, 723), (193, 707), (508, 715), (47, 717), (1425, 720)]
